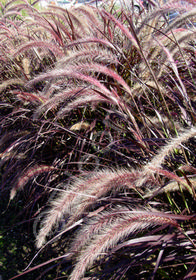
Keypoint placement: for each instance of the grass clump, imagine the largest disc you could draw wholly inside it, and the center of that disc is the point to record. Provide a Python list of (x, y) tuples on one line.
[(98, 130)]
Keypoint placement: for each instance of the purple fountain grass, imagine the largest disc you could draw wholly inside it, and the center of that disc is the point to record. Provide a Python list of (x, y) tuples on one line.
[(129, 223), (92, 99), (97, 222), (96, 40), (27, 96), (188, 168), (90, 13), (157, 161), (87, 191), (11, 152), (12, 148), (75, 21), (124, 30), (93, 226), (10, 82), (159, 12), (60, 24), (114, 182), (181, 20), (107, 71), (151, 31), (72, 22), (173, 186), (90, 20), (111, 87), (182, 36), (10, 2), (76, 75), (178, 183), (41, 44), (17, 8), (11, 14), (87, 55), (153, 240), (176, 42), (82, 94), (27, 175), (48, 30)]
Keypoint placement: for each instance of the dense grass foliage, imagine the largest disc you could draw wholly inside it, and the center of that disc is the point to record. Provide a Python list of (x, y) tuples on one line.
[(97, 147)]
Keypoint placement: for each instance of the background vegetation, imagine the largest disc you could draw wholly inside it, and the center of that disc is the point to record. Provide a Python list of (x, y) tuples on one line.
[(97, 147)]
